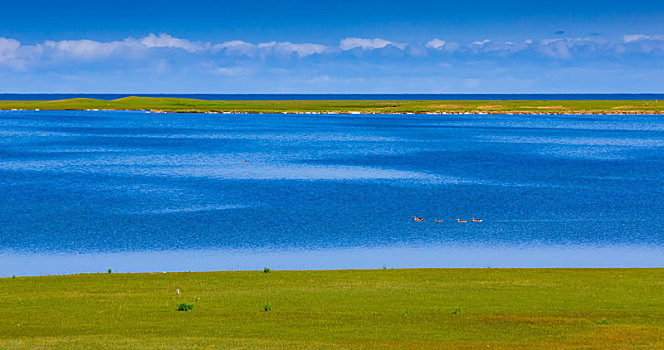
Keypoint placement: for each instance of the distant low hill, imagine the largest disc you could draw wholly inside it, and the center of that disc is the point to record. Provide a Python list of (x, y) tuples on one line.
[(186, 105)]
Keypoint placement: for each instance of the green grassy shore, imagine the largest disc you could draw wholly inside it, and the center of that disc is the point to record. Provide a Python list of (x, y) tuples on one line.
[(421, 308), (182, 105)]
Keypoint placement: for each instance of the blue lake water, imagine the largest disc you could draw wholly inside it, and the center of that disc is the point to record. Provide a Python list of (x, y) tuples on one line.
[(83, 191)]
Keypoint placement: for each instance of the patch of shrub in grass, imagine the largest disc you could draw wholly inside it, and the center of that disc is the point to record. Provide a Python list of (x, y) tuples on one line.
[(110, 270), (184, 306), (266, 269), (603, 322), (457, 311), (267, 307)]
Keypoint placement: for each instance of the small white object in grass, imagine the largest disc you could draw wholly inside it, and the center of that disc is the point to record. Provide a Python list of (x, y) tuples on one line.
[(177, 291)]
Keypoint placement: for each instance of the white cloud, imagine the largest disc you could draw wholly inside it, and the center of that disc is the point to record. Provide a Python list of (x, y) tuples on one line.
[(630, 38), (482, 43), (589, 47), (165, 40), (301, 50), (554, 48), (230, 71), (238, 47), (8, 50), (507, 47), (436, 44), (641, 43), (368, 44), (287, 48), (17, 56), (85, 49), (8, 46), (442, 45), (480, 46), (499, 48), (229, 55)]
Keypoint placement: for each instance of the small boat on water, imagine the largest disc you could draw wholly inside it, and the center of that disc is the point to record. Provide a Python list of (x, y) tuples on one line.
[(418, 219), (437, 220), (459, 220), (476, 220)]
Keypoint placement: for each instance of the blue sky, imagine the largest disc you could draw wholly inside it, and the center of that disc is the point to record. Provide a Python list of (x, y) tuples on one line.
[(332, 46)]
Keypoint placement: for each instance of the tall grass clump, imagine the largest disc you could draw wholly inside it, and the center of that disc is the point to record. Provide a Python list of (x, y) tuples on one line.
[(184, 306), (266, 269)]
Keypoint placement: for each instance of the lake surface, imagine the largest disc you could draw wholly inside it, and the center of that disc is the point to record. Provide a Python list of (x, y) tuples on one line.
[(84, 191)]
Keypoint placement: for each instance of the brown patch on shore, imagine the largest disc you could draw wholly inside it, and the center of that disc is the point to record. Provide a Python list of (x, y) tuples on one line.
[(630, 111), (449, 106), (628, 107), (552, 107), (516, 319), (490, 107), (547, 107)]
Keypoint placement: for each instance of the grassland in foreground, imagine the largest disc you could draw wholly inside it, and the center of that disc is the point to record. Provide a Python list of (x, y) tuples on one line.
[(424, 308), (182, 105)]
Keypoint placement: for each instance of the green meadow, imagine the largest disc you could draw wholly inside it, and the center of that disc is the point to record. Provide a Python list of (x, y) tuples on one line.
[(420, 308), (182, 105)]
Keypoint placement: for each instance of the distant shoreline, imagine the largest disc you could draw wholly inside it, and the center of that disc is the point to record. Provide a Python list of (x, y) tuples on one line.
[(314, 107), (343, 96)]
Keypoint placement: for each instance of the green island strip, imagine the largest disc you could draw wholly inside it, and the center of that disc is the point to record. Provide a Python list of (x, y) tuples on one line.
[(182, 105), (409, 308)]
